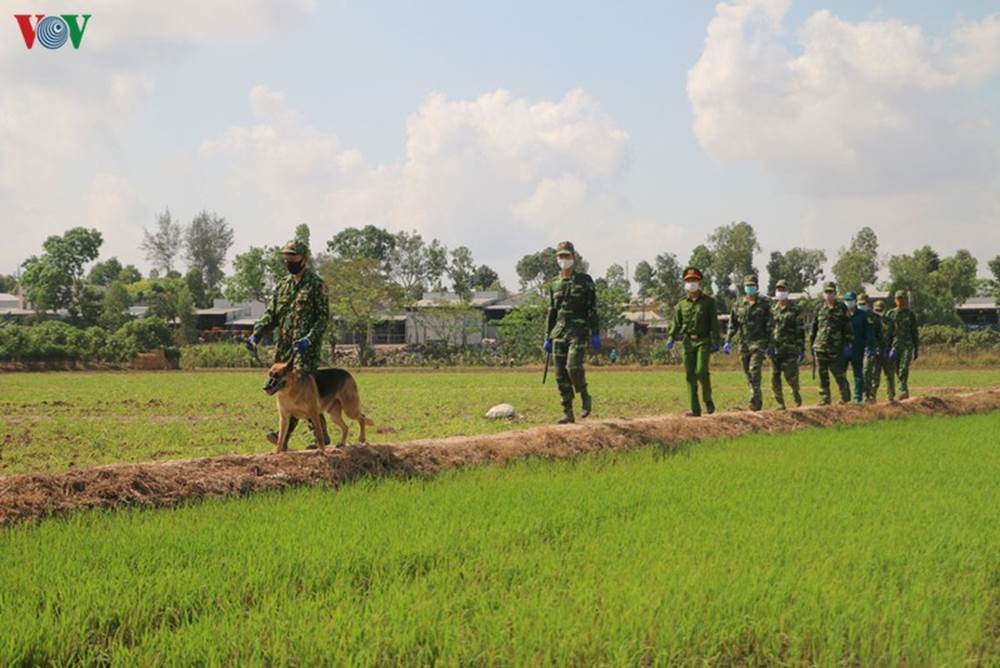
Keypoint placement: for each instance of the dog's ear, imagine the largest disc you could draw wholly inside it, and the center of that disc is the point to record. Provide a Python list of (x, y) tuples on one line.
[(278, 368)]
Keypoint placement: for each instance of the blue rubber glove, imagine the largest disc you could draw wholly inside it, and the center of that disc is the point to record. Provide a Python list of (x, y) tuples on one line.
[(251, 342), (893, 354), (547, 346), (714, 348), (670, 345), (848, 350), (595, 342), (726, 347), (302, 344), (802, 356), (772, 353)]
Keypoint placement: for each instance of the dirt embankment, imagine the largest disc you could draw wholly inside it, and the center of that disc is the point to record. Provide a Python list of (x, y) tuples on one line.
[(32, 496)]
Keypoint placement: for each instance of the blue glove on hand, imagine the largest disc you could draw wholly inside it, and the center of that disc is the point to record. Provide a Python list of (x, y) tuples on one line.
[(670, 345), (302, 344), (772, 353), (871, 353), (547, 346), (848, 350), (595, 342), (714, 348), (251, 342), (802, 356), (726, 347), (893, 354)]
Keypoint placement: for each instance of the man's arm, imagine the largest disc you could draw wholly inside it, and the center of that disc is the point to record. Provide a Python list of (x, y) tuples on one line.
[(595, 325), (733, 324), (675, 327), (321, 313), (814, 330), (913, 325), (713, 320), (550, 319), (266, 322)]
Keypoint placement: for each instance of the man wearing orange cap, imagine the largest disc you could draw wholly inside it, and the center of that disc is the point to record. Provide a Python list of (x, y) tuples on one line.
[(696, 324)]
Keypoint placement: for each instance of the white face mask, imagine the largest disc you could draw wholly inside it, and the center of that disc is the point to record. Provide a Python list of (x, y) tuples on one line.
[(692, 286), (565, 262), (781, 295)]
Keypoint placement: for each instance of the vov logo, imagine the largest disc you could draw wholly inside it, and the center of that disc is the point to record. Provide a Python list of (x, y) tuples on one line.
[(52, 32)]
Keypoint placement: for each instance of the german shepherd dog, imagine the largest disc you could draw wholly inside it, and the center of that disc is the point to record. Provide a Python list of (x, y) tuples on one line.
[(307, 396)]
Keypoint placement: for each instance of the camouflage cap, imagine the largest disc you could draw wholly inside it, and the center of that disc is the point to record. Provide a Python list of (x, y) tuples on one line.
[(879, 305), (565, 247), (692, 273), (829, 285), (850, 296), (900, 294), (749, 279), (781, 285), (295, 247), (863, 298)]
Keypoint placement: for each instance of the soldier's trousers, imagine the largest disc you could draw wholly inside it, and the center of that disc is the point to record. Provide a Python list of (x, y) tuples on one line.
[(786, 362), (903, 362), (696, 357), (874, 368), (569, 354), (857, 364), (753, 365), (307, 361), (832, 363)]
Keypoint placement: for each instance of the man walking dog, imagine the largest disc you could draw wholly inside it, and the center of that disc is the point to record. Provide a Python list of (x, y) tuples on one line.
[(298, 314)]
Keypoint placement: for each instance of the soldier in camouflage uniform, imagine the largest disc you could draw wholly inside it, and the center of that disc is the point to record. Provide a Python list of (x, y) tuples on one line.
[(905, 343), (862, 342), (572, 321), (876, 364), (696, 324), (830, 342), (298, 312), (750, 325), (788, 345)]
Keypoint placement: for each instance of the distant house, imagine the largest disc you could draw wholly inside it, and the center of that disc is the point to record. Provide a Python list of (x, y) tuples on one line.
[(979, 313), (224, 315)]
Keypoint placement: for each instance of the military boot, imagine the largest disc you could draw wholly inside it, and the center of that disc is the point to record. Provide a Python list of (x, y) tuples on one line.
[(709, 407), (586, 404), (567, 417)]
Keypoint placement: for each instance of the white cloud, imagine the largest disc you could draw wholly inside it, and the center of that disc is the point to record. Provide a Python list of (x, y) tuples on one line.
[(498, 173), (866, 108)]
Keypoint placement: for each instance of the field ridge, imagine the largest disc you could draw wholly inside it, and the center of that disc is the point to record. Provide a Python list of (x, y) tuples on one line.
[(164, 484)]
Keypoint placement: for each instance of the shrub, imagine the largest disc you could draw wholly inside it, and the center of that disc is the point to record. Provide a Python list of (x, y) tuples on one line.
[(216, 356), (138, 336)]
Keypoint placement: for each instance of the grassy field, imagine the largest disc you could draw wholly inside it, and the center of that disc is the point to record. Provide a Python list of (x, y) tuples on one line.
[(872, 545), (56, 421)]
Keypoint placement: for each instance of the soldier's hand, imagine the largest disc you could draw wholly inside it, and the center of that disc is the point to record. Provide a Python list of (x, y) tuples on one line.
[(893, 354), (670, 344), (547, 346), (595, 342), (251, 342), (302, 344), (726, 347), (802, 356), (870, 353), (714, 348), (848, 350), (772, 353)]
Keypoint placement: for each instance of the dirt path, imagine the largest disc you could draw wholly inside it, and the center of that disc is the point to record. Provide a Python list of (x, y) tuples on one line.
[(32, 496)]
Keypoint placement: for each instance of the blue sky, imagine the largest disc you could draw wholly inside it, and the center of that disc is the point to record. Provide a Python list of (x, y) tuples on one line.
[(132, 115)]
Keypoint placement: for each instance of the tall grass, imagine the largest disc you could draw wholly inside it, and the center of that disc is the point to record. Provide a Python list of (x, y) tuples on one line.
[(872, 545)]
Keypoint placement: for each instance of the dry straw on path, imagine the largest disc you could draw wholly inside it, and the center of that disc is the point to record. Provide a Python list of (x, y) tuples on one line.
[(32, 496)]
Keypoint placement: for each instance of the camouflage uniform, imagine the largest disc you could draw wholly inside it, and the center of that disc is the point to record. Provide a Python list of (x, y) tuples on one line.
[(788, 340), (298, 308), (696, 324), (572, 320), (905, 342), (862, 344), (831, 332), (750, 324), (875, 365)]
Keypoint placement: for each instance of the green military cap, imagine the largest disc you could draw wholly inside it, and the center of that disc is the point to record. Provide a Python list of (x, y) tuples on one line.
[(900, 293), (692, 273), (863, 298), (850, 296), (565, 247), (879, 306), (749, 279), (295, 247), (781, 285), (830, 285)]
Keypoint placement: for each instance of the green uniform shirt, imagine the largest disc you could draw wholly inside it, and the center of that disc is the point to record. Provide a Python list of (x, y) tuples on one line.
[(831, 329), (297, 309), (696, 320), (750, 323), (573, 307), (787, 333), (877, 330), (904, 325)]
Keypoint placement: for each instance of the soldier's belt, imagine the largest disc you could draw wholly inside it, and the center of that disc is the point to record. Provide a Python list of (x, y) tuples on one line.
[(694, 337)]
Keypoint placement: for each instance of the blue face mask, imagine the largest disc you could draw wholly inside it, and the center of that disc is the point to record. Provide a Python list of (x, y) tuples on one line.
[(862, 307), (849, 304), (750, 290)]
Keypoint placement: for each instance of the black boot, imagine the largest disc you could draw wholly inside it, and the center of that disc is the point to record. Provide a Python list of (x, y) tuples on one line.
[(567, 417), (586, 404), (709, 407)]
